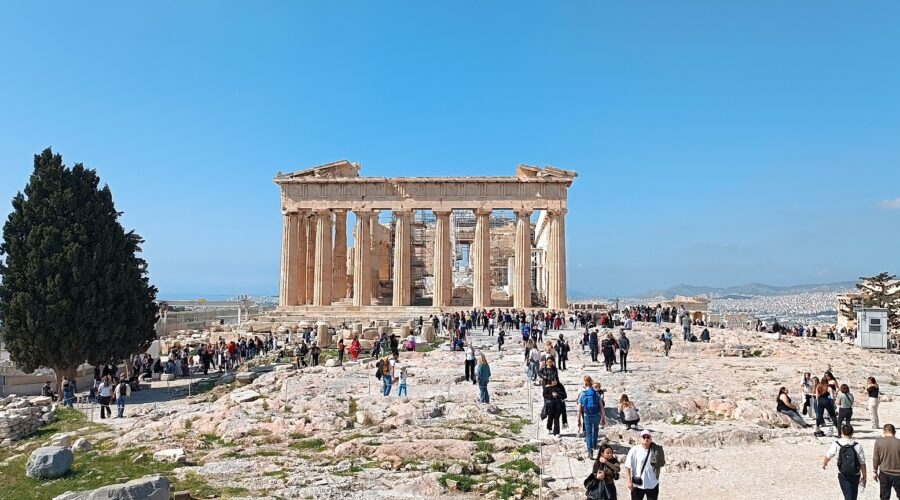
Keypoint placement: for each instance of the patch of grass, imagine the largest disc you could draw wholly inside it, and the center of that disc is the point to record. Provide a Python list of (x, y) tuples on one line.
[(663, 391), (526, 449), (522, 465), (236, 491), (485, 446), (352, 471), (516, 425), (256, 432), (351, 437), (196, 485), (463, 483), (312, 444), (509, 488), (279, 474), (213, 440)]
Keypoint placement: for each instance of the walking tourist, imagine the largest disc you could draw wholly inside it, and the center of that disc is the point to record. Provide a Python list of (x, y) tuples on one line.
[(562, 351), (807, 387), (589, 410), (104, 394), (624, 345), (786, 406), (667, 342), (643, 466), (886, 462), (609, 351), (354, 349), (873, 394), (68, 390), (501, 339), (851, 463), (314, 353), (401, 388), (594, 344), (601, 484), (686, 326), (340, 350), (628, 412), (387, 375), (484, 376), (553, 393)]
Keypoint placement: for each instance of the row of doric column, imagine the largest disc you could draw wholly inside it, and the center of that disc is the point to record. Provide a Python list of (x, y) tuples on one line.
[(314, 260)]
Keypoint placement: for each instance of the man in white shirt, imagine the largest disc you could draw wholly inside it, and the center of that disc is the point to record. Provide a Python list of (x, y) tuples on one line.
[(851, 466), (642, 468)]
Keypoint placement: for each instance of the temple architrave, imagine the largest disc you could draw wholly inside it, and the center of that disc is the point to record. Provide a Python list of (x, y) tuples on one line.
[(426, 242)]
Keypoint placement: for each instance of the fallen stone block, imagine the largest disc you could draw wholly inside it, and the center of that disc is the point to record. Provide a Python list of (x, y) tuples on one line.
[(49, 462)]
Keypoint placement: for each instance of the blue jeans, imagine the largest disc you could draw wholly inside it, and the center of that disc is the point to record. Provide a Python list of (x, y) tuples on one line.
[(386, 384), (485, 397), (401, 390), (591, 428), (120, 405), (850, 486)]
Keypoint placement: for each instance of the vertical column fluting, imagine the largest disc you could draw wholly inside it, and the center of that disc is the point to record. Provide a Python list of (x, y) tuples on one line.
[(522, 280), (375, 229), (443, 279), (339, 259), (310, 258), (302, 225), (362, 267), (289, 253), (324, 274), (557, 295), (402, 265), (481, 287)]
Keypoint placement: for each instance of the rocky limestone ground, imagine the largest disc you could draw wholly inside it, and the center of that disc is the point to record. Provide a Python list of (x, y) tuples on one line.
[(328, 433)]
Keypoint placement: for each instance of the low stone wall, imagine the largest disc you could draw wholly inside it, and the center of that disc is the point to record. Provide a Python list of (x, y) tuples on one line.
[(21, 416)]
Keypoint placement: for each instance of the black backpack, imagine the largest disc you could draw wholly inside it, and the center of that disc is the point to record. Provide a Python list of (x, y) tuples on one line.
[(848, 462), (378, 368)]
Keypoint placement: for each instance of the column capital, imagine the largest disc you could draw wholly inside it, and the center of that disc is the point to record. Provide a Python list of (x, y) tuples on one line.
[(322, 212), (403, 213), (482, 211), (557, 212), (340, 211), (523, 213), (442, 213)]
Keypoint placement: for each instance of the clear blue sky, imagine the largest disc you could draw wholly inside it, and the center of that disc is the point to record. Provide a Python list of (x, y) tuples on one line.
[(716, 143)]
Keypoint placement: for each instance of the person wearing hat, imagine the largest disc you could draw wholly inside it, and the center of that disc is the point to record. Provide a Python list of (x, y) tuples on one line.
[(642, 468)]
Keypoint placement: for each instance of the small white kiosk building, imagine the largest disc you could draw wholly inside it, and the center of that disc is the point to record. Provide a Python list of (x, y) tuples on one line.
[(873, 328)]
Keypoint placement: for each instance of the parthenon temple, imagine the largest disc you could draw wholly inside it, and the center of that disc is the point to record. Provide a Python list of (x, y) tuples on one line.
[(435, 242)]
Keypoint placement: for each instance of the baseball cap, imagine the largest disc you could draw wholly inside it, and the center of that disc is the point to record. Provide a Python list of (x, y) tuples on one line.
[(646, 433)]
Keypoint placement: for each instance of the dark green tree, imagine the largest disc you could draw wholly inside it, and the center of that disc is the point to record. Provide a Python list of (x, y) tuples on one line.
[(73, 286), (882, 290)]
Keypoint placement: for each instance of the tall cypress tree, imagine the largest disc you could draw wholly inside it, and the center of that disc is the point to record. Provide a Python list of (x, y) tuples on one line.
[(73, 286)]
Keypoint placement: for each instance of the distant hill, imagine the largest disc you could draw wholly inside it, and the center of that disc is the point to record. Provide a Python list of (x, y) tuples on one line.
[(749, 289)]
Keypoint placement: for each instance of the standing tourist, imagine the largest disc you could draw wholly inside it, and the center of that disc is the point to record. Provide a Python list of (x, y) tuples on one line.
[(562, 351), (401, 389), (605, 471), (851, 463), (387, 375), (824, 403), (340, 349), (553, 393), (104, 393), (589, 410), (686, 325), (807, 387), (500, 339), (122, 391), (354, 349), (470, 364), (873, 395), (844, 405), (624, 345), (643, 466), (593, 343), (68, 390), (886, 462), (484, 376), (314, 352), (534, 363), (609, 351)]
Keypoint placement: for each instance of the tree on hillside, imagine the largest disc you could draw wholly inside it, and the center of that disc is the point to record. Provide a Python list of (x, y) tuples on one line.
[(881, 290), (73, 287)]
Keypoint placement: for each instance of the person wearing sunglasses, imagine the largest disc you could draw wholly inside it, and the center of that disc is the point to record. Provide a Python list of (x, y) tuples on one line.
[(642, 468)]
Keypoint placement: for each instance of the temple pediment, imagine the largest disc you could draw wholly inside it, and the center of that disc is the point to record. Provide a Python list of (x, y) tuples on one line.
[(529, 173), (336, 170)]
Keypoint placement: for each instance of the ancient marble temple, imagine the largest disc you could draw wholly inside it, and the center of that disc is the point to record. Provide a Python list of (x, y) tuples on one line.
[(319, 269)]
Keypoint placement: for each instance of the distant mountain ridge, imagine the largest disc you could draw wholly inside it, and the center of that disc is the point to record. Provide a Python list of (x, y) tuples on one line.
[(749, 289)]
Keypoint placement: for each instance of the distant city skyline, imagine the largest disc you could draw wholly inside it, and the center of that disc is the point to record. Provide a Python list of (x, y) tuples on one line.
[(717, 145)]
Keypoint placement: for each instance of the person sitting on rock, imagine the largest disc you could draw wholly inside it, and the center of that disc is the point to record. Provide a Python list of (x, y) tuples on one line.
[(704, 335), (787, 407)]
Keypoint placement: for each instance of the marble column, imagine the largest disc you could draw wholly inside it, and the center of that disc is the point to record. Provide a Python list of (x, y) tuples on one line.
[(550, 261), (481, 285), (310, 258), (339, 260), (324, 275), (557, 296), (443, 277), (289, 261), (375, 256), (402, 254), (302, 277), (522, 280), (510, 276), (362, 266)]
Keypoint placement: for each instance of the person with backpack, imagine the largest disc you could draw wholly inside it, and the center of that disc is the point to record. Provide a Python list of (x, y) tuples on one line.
[(386, 370), (642, 468), (122, 391), (589, 410), (667, 341), (851, 463)]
